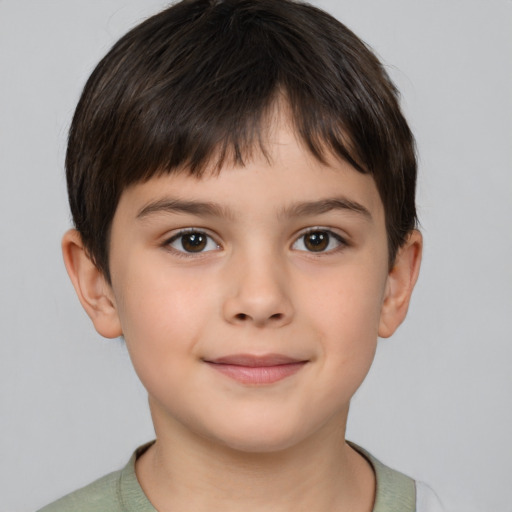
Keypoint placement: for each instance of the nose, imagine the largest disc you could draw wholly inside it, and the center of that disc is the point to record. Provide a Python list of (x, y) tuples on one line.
[(258, 293)]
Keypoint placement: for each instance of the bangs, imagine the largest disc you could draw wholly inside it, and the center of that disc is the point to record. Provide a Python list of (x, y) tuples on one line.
[(208, 143)]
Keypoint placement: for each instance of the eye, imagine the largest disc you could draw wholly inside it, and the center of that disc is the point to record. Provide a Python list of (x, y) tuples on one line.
[(193, 242), (318, 240)]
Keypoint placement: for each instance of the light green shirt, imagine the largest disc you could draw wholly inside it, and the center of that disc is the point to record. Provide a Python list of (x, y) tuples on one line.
[(120, 491)]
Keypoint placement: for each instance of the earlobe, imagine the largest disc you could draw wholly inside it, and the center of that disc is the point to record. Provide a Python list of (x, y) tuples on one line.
[(94, 292), (400, 284)]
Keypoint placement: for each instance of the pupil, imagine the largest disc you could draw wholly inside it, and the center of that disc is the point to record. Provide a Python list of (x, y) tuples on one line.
[(317, 241), (194, 242)]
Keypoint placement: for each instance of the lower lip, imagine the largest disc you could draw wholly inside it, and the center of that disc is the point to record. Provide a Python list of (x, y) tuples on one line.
[(258, 374)]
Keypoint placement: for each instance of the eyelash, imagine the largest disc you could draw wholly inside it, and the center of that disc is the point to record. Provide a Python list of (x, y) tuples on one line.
[(341, 243), (330, 236), (188, 254)]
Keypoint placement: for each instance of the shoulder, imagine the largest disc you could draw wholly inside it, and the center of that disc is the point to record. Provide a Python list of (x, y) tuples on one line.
[(119, 491), (102, 494), (397, 492), (394, 491)]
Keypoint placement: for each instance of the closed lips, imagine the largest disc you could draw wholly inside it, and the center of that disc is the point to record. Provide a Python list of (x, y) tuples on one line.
[(250, 369)]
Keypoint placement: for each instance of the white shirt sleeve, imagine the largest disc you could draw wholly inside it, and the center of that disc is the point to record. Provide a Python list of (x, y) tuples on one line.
[(426, 499)]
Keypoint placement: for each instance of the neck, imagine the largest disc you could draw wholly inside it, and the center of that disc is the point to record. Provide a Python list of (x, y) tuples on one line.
[(184, 471)]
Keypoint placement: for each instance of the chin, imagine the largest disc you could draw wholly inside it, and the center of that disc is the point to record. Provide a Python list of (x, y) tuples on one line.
[(259, 446), (259, 438)]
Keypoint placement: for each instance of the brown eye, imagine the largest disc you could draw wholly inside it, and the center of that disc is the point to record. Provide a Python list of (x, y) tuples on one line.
[(319, 240), (193, 242), (316, 241)]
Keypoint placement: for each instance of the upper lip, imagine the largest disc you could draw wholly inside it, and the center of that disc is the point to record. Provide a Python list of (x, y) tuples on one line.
[(255, 361)]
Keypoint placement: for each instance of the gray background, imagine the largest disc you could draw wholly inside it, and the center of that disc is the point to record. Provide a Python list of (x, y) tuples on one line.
[(437, 402)]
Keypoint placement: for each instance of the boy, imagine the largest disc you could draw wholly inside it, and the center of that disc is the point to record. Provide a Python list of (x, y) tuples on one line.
[(242, 184)]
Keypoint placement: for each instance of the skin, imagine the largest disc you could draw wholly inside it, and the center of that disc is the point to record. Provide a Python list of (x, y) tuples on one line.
[(257, 288)]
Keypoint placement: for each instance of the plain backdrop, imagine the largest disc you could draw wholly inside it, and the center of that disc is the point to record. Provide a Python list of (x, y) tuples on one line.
[(437, 403)]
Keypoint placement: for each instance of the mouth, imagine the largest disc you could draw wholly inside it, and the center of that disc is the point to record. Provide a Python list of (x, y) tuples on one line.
[(257, 370)]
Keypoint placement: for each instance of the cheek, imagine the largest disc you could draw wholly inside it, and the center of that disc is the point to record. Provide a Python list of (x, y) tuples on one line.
[(345, 312), (348, 301), (163, 317)]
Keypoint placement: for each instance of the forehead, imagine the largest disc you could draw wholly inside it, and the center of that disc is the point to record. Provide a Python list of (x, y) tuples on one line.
[(272, 182)]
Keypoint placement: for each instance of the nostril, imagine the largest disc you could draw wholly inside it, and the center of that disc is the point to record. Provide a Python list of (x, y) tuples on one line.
[(244, 316)]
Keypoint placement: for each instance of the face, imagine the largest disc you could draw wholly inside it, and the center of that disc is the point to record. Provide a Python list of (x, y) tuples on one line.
[(250, 301)]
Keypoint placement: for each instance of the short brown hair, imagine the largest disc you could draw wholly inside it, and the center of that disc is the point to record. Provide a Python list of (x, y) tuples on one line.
[(194, 82)]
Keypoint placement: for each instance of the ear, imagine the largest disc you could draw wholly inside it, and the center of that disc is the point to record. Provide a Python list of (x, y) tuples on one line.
[(93, 290), (400, 284)]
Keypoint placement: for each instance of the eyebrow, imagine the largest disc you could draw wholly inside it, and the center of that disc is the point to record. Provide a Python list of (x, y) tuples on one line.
[(209, 209), (306, 208), (169, 205)]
